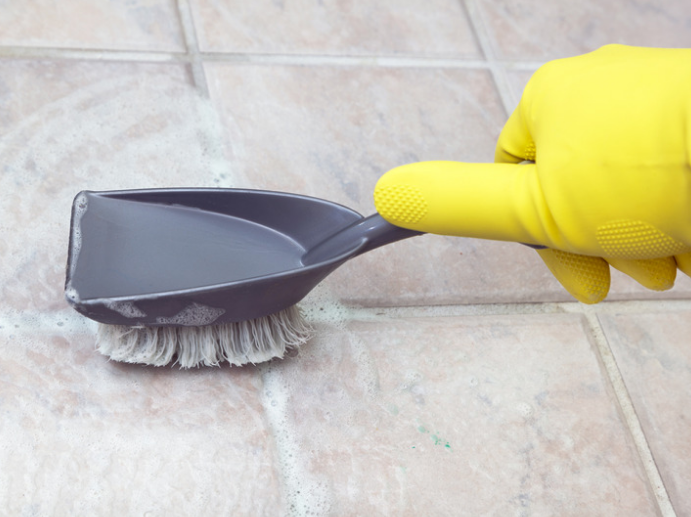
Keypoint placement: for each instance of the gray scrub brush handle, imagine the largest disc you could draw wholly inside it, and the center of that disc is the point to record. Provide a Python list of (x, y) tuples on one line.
[(370, 233), (373, 232)]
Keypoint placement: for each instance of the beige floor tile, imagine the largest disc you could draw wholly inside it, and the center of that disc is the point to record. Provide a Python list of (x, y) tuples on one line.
[(84, 436), (131, 25), (653, 354), (404, 27), (331, 131), (625, 288), (69, 126), (546, 30), (433, 270), (455, 416)]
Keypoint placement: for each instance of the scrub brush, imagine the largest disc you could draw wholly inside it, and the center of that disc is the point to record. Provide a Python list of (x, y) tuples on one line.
[(197, 277), (244, 342)]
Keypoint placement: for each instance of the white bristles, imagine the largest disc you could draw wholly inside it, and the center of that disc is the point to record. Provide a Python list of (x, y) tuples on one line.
[(252, 341)]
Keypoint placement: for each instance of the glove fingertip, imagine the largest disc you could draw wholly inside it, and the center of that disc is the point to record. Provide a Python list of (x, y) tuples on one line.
[(655, 274), (585, 278), (683, 262)]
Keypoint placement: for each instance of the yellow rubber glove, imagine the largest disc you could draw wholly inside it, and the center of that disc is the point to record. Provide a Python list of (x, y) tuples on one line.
[(609, 133)]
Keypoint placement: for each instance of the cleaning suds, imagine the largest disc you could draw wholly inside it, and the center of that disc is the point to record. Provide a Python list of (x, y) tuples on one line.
[(127, 309), (80, 206), (321, 306), (306, 494), (72, 295), (194, 315), (302, 450)]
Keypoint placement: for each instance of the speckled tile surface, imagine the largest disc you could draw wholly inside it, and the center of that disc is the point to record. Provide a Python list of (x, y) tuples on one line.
[(447, 376), (83, 436), (78, 24), (653, 353), (436, 28), (458, 416), (532, 29), (331, 131)]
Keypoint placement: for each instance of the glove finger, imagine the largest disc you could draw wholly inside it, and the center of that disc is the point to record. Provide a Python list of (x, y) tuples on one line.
[(515, 143), (484, 200), (585, 278), (656, 274), (684, 263)]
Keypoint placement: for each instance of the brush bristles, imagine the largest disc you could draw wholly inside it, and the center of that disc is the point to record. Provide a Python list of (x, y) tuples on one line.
[(252, 341)]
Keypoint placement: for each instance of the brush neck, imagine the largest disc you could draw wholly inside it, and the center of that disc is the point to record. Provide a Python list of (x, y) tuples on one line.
[(373, 231)]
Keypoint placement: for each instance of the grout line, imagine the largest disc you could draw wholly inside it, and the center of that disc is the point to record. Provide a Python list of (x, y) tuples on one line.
[(523, 66), (381, 61), (496, 68), (506, 309), (68, 320), (92, 54), (192, 44), (629, 412), (452, 311), (345, 60), (302, 490)]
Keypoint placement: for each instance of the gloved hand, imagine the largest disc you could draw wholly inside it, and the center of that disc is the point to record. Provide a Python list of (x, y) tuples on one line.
[(609, 135)]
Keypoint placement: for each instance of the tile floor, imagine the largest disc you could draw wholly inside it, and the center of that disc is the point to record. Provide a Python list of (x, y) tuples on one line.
[(447, 377)]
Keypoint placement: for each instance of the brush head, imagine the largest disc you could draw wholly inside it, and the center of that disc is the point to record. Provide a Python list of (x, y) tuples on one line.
[(252, 341)]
